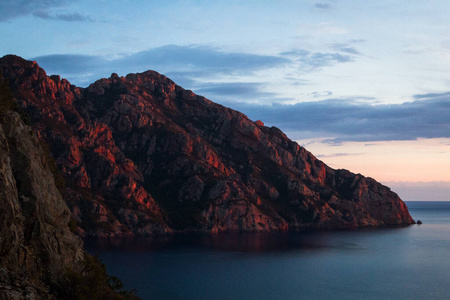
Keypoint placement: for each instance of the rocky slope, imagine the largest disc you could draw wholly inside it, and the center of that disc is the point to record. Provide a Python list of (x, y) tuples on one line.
[(36, 245), (40, 255), (143, 156)]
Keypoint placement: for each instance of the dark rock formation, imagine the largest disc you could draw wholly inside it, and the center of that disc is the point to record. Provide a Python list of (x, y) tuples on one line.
[(143, 156), (40, 256), (36, 244)]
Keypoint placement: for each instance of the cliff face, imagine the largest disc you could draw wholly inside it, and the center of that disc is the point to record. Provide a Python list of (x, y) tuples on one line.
[(36, 245), (40, 255), (143, 156)]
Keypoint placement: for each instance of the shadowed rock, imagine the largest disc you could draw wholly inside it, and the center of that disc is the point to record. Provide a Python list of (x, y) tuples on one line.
[(36, 245)]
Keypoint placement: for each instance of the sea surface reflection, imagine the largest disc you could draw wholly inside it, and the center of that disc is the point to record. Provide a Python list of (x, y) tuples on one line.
[(229, 242), (400, 263)]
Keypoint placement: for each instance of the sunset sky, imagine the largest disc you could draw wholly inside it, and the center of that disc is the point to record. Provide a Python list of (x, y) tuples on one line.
[(363, 85)]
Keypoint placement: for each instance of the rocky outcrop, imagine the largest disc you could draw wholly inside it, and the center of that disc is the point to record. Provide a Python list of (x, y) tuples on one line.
[(143, 156), (36, 245), (40, 255)]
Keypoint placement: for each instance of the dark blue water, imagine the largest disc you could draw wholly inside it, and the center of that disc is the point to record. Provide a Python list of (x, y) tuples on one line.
[(401, 263)]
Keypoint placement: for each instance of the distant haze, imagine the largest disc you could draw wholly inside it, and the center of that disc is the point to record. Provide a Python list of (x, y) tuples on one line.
[(421, 191)]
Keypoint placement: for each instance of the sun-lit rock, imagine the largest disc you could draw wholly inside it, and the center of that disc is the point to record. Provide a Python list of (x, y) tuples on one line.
[(159, 159)]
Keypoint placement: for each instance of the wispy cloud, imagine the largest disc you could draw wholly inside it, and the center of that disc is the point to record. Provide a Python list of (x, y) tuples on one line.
[(71, 64), (68, 17), (326, 59), (320, 94), (346, 48), (338, 155), (12, 9), (237, 89), (298, 53), (432, 96), (316, 60), (43, 9), (322, 5)]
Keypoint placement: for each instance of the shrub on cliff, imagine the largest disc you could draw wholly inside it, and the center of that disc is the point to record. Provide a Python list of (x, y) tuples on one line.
[(92, 283), (7, 102)]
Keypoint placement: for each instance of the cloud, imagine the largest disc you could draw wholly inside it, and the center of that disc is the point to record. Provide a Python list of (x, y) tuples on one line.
[(432, 96), (43, 14), (326, 59), (80, 70), (315, 60), (321, 94), (231, 88), (70, 17), (296, 53), (342, 53), (187, 64), (70, 64), (43, 9), (347, 48), (338, 155), (12, 9), (229, 92), (322, 5), (208, 59), (351, 120)]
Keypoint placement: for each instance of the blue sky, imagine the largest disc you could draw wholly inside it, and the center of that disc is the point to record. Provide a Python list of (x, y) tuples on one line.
[(330, 73)]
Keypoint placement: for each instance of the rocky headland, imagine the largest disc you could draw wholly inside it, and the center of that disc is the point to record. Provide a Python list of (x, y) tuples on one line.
[(141, 156)]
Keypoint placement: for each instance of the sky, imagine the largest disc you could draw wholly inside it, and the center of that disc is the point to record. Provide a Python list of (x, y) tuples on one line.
[(363, 85)]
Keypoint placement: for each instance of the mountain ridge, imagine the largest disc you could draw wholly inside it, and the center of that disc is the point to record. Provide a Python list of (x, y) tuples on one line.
[(143, 156)]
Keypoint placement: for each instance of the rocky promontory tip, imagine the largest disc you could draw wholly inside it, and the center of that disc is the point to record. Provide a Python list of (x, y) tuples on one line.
[(142, 156)]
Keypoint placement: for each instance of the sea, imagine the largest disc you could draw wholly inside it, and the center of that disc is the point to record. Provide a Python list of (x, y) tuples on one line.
[(397, 263)]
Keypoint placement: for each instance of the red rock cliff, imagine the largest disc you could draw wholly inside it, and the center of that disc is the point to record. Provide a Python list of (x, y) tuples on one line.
[(143, 156)]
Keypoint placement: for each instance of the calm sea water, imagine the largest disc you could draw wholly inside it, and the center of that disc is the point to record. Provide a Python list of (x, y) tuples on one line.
[(400, 263)]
